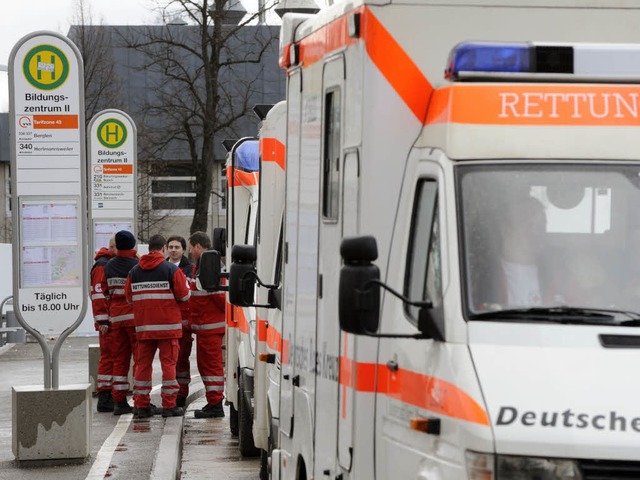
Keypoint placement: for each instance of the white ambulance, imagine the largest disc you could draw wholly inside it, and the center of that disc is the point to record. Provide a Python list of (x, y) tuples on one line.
[(481, 321), (254, 217), (269, 263), (243, 171)]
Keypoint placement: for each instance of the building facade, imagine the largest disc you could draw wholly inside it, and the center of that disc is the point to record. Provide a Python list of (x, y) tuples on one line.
[(148, 94)]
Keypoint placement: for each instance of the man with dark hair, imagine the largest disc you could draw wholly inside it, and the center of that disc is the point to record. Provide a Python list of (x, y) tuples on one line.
[(100, 307), (177, 247), (121, 317), (155, 287), (208, 323)]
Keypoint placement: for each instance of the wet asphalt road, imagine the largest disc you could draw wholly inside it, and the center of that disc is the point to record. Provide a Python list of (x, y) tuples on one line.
[(211, 439), (122, 447)]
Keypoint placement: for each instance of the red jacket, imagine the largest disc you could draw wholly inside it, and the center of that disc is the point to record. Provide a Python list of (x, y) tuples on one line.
[(187, 269), (99, 303), (207, 309), (116, 271), (155, 287)]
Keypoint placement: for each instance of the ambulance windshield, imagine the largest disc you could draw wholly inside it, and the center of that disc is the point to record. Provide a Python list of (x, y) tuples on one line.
[(540, 237)]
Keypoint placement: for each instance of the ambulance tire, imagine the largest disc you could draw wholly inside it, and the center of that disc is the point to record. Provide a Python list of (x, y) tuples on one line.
[(245, 425), (233, 420), (302, 470), (265, 455)]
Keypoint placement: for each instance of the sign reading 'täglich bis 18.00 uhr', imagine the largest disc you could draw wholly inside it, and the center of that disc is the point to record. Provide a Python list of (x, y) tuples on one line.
[(48, 182)]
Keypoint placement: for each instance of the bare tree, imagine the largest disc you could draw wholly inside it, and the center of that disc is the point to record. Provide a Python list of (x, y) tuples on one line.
[(204, 87), (103, 88), (102, 84)]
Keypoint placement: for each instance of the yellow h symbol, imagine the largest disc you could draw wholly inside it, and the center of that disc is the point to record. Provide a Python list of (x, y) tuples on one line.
[(108, 133), (112, 133), (46, 67)]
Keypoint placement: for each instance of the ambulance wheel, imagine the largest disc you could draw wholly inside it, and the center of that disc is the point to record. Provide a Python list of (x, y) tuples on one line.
[(245, 425), (265, 455), (302, 470), (233, 420)]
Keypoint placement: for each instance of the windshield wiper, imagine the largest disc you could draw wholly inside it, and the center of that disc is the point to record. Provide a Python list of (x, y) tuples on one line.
[(562, 314)]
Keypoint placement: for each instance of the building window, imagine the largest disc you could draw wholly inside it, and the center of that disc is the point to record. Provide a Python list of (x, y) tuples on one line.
[(174, 195), (424, 269), (220, 197), (173, 185)]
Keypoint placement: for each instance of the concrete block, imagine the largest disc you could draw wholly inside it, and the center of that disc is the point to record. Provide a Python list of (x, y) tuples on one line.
[(51, 424), (94, 359)]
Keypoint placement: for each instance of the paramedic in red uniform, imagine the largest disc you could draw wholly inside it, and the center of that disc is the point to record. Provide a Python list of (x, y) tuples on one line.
[(121, 317), (155, 287), (208, 324), (100, 307), (177, 247)]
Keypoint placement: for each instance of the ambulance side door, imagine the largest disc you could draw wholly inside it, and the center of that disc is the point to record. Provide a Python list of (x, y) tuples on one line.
[(329, 263), (290, 280), (350, 228), (407, 366)]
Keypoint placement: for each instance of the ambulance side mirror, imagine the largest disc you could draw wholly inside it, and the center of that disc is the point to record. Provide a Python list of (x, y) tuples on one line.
[(219, 239), (274, 297), (359, 290), (209, 272), (242, 275)]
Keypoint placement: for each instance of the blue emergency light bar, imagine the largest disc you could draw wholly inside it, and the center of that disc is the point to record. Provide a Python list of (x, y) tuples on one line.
[(247, 156), (488, 57), (617, 62), (482, 57)]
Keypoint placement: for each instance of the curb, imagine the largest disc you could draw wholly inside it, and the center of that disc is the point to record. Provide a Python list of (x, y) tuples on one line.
[(166, 465), (167, 462), (6, 347)]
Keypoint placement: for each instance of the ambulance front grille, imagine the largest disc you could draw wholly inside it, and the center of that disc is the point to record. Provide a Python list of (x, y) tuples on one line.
[(609, 470)]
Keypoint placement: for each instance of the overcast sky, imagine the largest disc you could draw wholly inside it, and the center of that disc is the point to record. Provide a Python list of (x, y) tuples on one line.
[(19, 18)]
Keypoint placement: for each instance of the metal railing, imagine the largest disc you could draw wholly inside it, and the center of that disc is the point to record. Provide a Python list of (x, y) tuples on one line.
[(10, 329)]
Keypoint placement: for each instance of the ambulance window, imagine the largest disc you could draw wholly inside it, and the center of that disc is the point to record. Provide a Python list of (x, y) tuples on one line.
[(331, 159), (575, 208), (277, 277), (424, 280), (247, 226)]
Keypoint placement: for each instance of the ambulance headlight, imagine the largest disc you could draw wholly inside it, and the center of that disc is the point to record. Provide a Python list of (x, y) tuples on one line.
[(482, 466)]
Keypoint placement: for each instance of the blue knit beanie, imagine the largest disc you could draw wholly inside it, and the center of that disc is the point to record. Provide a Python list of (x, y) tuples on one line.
[(125, 240)]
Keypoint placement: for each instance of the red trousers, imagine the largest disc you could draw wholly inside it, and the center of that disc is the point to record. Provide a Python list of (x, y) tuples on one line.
[(105, 364), (143, 373), (183, 368), (210, 366), (124, 345)]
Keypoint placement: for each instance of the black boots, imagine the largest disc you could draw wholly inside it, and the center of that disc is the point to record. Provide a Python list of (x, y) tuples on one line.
[(146, 412), (120, 408), (173, 412), (143, 412), (210, 411), (105, 401)]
